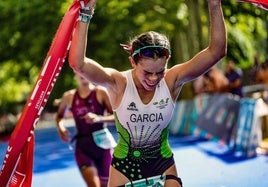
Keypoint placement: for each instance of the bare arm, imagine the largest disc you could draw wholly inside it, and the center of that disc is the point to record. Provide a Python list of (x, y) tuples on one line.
[(110, 78), (64, 103), (200, 63), (87, 67)]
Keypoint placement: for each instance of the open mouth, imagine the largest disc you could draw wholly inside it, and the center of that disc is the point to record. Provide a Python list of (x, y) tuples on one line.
[(151, 85)]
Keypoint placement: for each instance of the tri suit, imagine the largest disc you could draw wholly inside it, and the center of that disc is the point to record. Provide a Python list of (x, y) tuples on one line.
[(142, 149), (87, 152)]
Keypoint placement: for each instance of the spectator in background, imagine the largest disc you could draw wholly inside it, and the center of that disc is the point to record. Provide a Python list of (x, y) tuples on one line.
[(262, 78), (262, 74), (255, 69), (234, 77), (199, 85), (213, 81)]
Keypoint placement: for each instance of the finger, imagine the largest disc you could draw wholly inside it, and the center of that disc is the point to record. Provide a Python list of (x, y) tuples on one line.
[(90, 3)]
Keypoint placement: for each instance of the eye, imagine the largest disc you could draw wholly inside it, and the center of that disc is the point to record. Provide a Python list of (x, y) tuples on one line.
[(157, 73), (147, 73), (160, 73)]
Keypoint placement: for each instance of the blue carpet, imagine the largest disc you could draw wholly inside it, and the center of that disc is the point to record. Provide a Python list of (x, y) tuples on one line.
[(200, 163)]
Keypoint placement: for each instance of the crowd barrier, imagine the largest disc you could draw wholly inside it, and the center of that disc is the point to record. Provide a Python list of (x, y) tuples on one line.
[(223, 117)]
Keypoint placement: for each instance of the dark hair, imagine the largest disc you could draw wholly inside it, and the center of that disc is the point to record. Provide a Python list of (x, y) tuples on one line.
[(149, 38)]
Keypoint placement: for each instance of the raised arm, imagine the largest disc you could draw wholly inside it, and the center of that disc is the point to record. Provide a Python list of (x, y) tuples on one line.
[(86, 67), (200, 63)]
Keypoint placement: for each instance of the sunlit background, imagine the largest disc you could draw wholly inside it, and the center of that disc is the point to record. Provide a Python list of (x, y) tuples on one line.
[(28, 28)]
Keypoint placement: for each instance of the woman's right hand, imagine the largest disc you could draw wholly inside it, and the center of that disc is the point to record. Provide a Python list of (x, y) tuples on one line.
[(91, 3), (64, 133)]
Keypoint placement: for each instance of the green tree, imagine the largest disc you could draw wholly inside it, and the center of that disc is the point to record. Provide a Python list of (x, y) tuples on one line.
[(28, 27), (247, 32)]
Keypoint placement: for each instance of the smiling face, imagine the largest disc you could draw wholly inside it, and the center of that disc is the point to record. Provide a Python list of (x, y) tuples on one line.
[(149, 72), (149, 54)]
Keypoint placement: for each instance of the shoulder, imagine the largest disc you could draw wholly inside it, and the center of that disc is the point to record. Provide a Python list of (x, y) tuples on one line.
[(174, 76), (68, 96), (101, 93), (69, 93), (65, 101), (116, 89), (101, 90), (120, 81)]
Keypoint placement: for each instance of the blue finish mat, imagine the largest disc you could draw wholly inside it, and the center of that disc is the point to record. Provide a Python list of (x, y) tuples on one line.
[(200, 163)]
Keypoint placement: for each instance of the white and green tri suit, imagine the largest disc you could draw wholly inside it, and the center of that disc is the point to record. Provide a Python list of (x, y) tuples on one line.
[(143, 149)]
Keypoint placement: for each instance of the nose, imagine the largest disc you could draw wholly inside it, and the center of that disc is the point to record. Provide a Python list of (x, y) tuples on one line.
[(153, 77)]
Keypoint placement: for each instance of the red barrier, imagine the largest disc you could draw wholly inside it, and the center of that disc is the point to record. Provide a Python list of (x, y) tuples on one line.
[(17, 165), (260, 3)]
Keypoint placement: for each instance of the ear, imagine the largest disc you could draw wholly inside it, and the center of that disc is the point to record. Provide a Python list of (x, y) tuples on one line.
[(132, 62), (168, 58)]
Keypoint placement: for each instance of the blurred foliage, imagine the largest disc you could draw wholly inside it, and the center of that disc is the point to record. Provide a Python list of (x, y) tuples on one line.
[(28, 27), (247, 32)]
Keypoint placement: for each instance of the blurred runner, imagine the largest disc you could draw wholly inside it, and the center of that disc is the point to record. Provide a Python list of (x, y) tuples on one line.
[(94, 143)]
